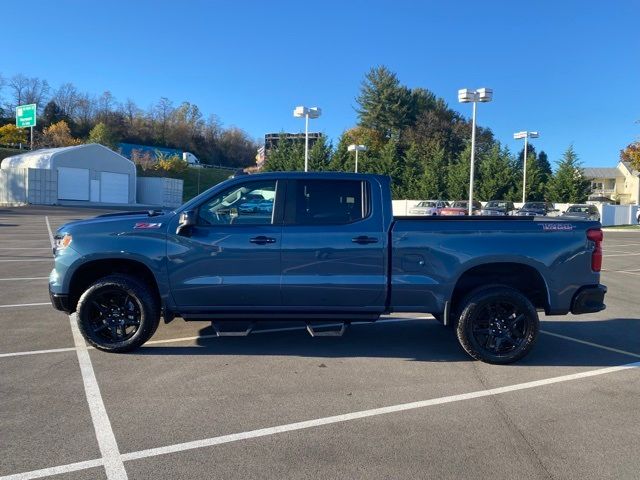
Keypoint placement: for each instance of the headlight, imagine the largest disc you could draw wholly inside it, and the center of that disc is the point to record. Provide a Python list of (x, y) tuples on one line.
[(62, 241)]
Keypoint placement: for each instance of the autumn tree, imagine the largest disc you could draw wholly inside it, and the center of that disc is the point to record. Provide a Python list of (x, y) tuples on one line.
[(103, 135), (12, 135), (57, 135), (631, 154)]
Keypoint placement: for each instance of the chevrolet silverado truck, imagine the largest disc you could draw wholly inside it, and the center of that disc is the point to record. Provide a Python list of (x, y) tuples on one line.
[(327, 248)]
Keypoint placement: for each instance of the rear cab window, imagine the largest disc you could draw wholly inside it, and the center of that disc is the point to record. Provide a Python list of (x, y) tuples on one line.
[(327, 202)]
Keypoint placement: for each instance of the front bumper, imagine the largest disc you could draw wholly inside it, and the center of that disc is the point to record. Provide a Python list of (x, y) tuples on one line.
[(60, 301), (589, 300)]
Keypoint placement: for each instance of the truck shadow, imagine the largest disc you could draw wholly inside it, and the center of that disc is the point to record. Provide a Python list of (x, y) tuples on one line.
[(419, 340)]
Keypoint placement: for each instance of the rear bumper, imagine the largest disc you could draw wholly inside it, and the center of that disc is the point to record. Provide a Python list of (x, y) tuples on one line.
[(589, 299), (60, 301)]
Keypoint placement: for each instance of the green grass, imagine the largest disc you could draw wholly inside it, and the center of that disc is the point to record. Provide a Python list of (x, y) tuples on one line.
[(623, 227)]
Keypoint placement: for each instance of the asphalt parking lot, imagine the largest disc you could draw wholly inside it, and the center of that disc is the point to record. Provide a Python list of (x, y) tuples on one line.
[(396, 399)]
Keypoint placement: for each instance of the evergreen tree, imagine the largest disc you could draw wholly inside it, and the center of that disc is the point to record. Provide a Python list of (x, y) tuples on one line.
[(458, 176), (385, 104), (497, 175), (568, 183), (287, 156)]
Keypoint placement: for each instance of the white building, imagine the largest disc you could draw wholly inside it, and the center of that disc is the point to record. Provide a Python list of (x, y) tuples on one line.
[(84, 173)]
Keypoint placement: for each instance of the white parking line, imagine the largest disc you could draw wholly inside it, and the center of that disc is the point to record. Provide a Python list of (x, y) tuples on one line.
[(47, 472), (17, 305), (207, 442), (27, 260), (591, 344), (25, 248), (53, 244), (23, 278), (621, 255), (318, 422), (104, 433), (37, 352)]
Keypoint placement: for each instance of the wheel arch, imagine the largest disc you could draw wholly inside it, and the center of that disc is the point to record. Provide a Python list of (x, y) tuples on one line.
[(93, 270), (522, 277)]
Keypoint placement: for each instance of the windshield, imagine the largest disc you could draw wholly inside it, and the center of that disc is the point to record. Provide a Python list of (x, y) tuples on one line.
[(534, 205), (496, 205), (427, 204), (579, 209), (459, 205)]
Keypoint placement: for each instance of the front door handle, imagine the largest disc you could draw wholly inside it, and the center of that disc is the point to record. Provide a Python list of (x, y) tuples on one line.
[(262, 240), (363, 240)]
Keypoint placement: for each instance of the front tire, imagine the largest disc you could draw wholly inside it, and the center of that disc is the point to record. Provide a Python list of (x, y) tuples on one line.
[(117, 313), (497, 324)]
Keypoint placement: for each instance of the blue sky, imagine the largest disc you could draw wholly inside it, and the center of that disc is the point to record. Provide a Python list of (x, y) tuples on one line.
[(569, 69)]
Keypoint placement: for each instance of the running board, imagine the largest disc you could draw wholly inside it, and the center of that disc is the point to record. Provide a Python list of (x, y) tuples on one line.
[(221, 331), (327, 330)]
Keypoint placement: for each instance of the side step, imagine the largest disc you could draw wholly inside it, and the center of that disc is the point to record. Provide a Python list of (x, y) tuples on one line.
[(327, 330), (232, 329)]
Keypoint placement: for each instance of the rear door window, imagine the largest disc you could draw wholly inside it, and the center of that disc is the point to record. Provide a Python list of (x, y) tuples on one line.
[(327, 202)]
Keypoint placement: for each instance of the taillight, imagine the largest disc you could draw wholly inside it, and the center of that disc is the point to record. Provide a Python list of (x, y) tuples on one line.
[(596, 236)]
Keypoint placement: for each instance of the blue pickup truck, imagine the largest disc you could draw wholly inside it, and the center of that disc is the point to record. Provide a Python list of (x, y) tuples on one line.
[(323, 246)]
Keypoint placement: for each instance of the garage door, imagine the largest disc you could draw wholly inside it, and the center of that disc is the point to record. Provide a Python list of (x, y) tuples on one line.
[(114, 187), (73, 183)]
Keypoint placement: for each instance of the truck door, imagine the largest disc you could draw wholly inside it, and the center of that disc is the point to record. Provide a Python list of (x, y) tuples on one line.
[(333, 246), (231, 257)]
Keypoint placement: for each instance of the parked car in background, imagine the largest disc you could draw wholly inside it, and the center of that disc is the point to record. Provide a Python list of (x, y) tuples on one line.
[(461, 207), (498, 207), (537, 209), (583, 211), (265, 206), (428, 207)]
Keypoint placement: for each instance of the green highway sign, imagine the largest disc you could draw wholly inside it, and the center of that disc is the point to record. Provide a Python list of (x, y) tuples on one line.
[(26, 116)]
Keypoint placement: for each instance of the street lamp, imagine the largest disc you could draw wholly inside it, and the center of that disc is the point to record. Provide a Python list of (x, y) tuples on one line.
[(307, 113), (526, 136), (357, 148), (467, 95)]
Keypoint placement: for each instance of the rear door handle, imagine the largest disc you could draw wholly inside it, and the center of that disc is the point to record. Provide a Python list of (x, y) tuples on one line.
[(262, 240), (363, 240)]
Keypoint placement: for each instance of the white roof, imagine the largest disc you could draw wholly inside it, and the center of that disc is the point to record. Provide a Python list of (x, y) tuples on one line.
[(44, 158)]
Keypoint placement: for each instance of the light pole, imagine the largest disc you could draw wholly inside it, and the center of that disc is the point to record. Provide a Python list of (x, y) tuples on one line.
[(466, 95), (526, 136), (357, 148), (307, 113)]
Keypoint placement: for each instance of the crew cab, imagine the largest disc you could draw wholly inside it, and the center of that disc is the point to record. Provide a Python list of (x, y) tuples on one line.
[(329, 249)]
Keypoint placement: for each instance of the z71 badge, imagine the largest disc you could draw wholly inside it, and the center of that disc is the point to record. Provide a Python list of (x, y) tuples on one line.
[(554, 227), (146, 226)]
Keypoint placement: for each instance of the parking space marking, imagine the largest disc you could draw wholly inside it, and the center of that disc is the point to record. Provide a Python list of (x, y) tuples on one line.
[(37, 352), (17, 305), (53, 244), (107, 444), (621, 255), (24, 248), (263, 432), (591, 344), (23, 278), (28, 260), (318, 422), (59, 470)]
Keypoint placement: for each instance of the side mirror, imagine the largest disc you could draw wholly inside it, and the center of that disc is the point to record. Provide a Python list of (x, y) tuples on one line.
[(187, 220)]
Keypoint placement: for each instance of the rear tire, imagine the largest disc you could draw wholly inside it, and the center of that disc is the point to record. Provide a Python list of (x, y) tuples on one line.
[(118, 313), (497, 324)]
